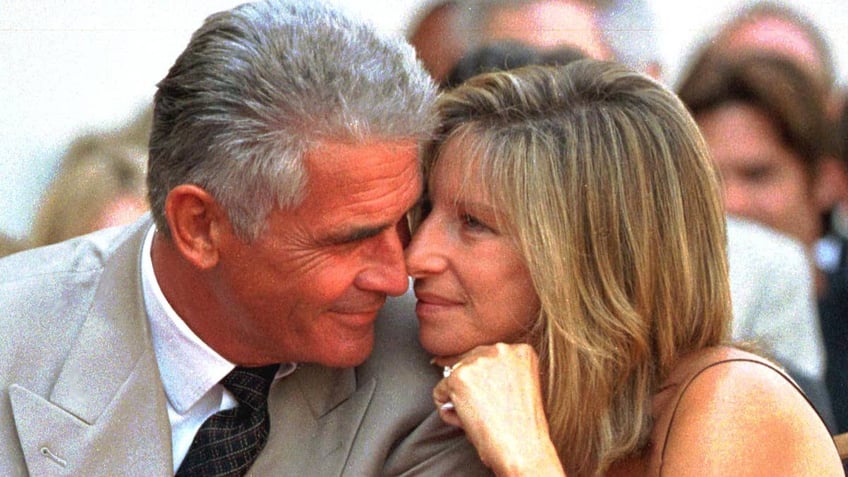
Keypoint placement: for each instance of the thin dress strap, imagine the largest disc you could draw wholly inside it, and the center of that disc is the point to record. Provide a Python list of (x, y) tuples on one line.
[(728, 358)]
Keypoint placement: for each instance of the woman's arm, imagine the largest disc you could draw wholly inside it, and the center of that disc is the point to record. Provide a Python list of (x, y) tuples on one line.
[(496, 396)]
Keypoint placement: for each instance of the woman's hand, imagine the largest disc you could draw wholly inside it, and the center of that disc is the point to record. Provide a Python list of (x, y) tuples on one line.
[(497, 398)]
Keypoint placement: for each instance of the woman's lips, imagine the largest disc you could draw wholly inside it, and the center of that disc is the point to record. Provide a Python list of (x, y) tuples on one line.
[(430, 303)]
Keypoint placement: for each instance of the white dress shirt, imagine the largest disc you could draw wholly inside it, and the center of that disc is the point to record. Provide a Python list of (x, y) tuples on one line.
[(191, 371)]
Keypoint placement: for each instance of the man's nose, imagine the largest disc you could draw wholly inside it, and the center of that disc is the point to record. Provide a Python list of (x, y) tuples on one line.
[(386, 269), (423, 255)]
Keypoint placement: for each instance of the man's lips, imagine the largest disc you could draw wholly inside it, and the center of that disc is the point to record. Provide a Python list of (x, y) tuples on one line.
[(362, 310)]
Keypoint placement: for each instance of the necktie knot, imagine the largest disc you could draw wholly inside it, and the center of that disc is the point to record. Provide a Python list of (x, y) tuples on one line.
[(250, 386), (228, 442)]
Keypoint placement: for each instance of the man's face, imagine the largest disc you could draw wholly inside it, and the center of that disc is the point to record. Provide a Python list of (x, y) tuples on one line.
[(764, 180), (309, 288)]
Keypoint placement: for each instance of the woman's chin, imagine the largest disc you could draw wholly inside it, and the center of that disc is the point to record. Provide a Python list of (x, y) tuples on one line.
[(443, 343)]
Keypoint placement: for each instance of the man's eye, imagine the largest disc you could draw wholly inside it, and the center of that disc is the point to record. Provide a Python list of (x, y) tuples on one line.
[(758, 174)]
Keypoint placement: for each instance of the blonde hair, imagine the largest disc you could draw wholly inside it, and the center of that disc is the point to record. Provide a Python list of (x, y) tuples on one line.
[(613, 200)]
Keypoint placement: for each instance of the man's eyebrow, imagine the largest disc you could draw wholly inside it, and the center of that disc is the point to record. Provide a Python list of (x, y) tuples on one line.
[(358, 233)]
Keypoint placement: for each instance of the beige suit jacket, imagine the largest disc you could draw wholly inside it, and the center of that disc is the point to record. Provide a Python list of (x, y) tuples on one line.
[(80, 392)]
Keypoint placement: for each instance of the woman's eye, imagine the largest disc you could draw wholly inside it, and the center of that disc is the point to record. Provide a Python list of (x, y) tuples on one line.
[(471, 222)]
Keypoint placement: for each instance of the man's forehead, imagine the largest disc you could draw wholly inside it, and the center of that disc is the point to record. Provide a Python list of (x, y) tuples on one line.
[(340, 159), (363, 176)]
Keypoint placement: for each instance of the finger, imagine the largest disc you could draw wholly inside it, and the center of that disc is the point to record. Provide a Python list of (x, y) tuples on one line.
[(446, 409), (449, 416), (441, 393)]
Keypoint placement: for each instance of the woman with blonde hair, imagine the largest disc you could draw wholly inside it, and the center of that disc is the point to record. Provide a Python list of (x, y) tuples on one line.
[(571, 275)]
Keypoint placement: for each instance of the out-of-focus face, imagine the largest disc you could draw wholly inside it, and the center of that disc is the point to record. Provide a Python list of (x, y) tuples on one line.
[(471, 281), (763, 179), (437, 41), (549, 24), (309, 288)]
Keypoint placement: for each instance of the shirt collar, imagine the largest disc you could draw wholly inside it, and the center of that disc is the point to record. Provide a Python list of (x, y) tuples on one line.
[(188, 366)]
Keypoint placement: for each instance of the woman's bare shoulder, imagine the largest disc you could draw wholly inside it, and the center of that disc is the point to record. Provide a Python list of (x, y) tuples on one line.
[(740, 416)]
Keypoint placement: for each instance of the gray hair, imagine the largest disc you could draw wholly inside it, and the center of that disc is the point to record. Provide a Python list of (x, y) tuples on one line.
[(258, 86)]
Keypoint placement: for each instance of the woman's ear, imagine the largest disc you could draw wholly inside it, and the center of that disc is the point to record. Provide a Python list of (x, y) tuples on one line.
[(196, 221)]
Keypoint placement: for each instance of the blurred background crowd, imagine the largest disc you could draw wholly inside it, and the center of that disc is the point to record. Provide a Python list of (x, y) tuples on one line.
[(765, 81)]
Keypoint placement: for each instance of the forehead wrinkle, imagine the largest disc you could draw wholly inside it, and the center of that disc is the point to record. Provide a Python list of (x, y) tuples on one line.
[(406, 187)]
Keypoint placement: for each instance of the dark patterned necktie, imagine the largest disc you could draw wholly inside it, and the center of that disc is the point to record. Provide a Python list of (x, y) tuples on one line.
[(229, 441)]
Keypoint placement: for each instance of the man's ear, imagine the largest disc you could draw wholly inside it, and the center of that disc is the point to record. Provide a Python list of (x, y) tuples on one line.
[(831, 183), (196, 221)]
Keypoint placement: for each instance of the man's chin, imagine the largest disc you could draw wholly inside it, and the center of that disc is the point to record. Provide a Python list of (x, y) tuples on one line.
[(349, 354)]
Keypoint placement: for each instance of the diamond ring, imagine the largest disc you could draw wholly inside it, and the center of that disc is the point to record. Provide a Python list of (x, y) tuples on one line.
[(446, 372)]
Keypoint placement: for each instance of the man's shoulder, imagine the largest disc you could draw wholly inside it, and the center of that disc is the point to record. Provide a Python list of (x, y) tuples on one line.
[(761, 258), (79, 255), (757, 242), (401, 416), (46, 293)]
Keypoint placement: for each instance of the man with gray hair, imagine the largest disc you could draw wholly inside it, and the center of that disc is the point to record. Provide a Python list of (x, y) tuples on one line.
[(237, 332)]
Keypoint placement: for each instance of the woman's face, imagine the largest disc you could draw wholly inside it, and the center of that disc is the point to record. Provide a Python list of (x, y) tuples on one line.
[(471, 282)]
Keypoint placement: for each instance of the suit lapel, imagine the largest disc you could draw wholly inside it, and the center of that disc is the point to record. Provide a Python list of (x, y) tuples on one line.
[(324, 408), (107, 409)]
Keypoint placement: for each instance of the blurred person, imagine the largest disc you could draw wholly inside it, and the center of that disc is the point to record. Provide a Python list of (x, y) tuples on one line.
[(434, 33), (764, 121), (774, 306), (444, 32), (831, 250), (773, 28), (571, 274), (236, 330), (100, 183), (539, 23), (495, 56)]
